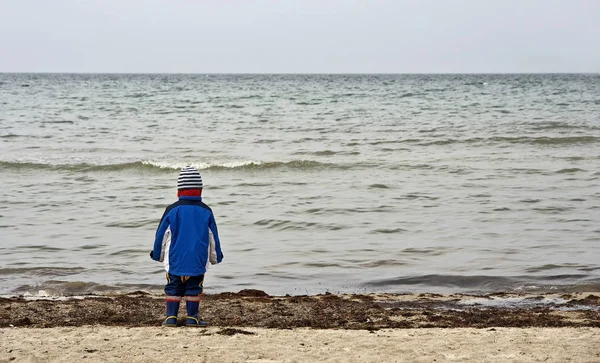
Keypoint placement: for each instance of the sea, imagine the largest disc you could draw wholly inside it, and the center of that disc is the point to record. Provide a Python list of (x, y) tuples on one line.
[(341, 183)]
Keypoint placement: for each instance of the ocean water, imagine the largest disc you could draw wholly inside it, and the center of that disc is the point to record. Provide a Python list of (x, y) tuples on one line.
[(340, 183)]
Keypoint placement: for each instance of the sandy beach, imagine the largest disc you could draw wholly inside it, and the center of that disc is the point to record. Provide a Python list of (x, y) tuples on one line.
[(251, 326), (110, 344)]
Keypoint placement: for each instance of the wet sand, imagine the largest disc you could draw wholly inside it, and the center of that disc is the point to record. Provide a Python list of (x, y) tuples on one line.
[(251, 326)]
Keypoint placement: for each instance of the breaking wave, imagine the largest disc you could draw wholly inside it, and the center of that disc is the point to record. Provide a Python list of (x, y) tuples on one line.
[(157, 166)]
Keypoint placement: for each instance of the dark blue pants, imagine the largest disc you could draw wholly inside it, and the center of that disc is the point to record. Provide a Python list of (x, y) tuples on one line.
[(184, 285)]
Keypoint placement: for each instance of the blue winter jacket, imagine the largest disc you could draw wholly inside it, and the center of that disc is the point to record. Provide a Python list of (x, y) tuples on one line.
[(187, 239)]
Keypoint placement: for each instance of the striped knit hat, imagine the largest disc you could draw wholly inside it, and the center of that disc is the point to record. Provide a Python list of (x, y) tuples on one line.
[(189, 178)]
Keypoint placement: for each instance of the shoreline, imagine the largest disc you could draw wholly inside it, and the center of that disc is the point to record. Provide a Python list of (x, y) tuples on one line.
[(256, 309), (251, 326)]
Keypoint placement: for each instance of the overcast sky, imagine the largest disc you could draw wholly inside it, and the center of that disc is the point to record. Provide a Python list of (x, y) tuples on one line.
[(300, 36)]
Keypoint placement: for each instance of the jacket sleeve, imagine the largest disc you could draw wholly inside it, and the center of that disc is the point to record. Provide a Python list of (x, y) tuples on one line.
[(162, 234), (216, 255)]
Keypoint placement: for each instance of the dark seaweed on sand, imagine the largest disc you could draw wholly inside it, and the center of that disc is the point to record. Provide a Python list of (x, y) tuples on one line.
[(255, 308)]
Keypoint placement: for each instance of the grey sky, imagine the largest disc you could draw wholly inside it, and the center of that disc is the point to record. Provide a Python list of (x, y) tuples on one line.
[(300, 36)]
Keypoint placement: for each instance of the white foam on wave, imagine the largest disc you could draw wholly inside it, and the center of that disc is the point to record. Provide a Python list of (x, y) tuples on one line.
[(202, 165)]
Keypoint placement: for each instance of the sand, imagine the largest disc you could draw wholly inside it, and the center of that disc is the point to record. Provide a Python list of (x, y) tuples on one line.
[(155, 344), (251, 326)]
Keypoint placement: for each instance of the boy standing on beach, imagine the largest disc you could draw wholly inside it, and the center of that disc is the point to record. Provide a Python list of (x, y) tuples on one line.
[(186, 241)]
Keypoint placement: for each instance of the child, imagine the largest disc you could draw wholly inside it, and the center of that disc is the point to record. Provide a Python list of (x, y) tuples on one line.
[(186, 241)]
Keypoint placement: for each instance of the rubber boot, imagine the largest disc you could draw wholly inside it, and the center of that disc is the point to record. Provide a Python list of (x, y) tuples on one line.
[(172, 310), (192, 304)]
